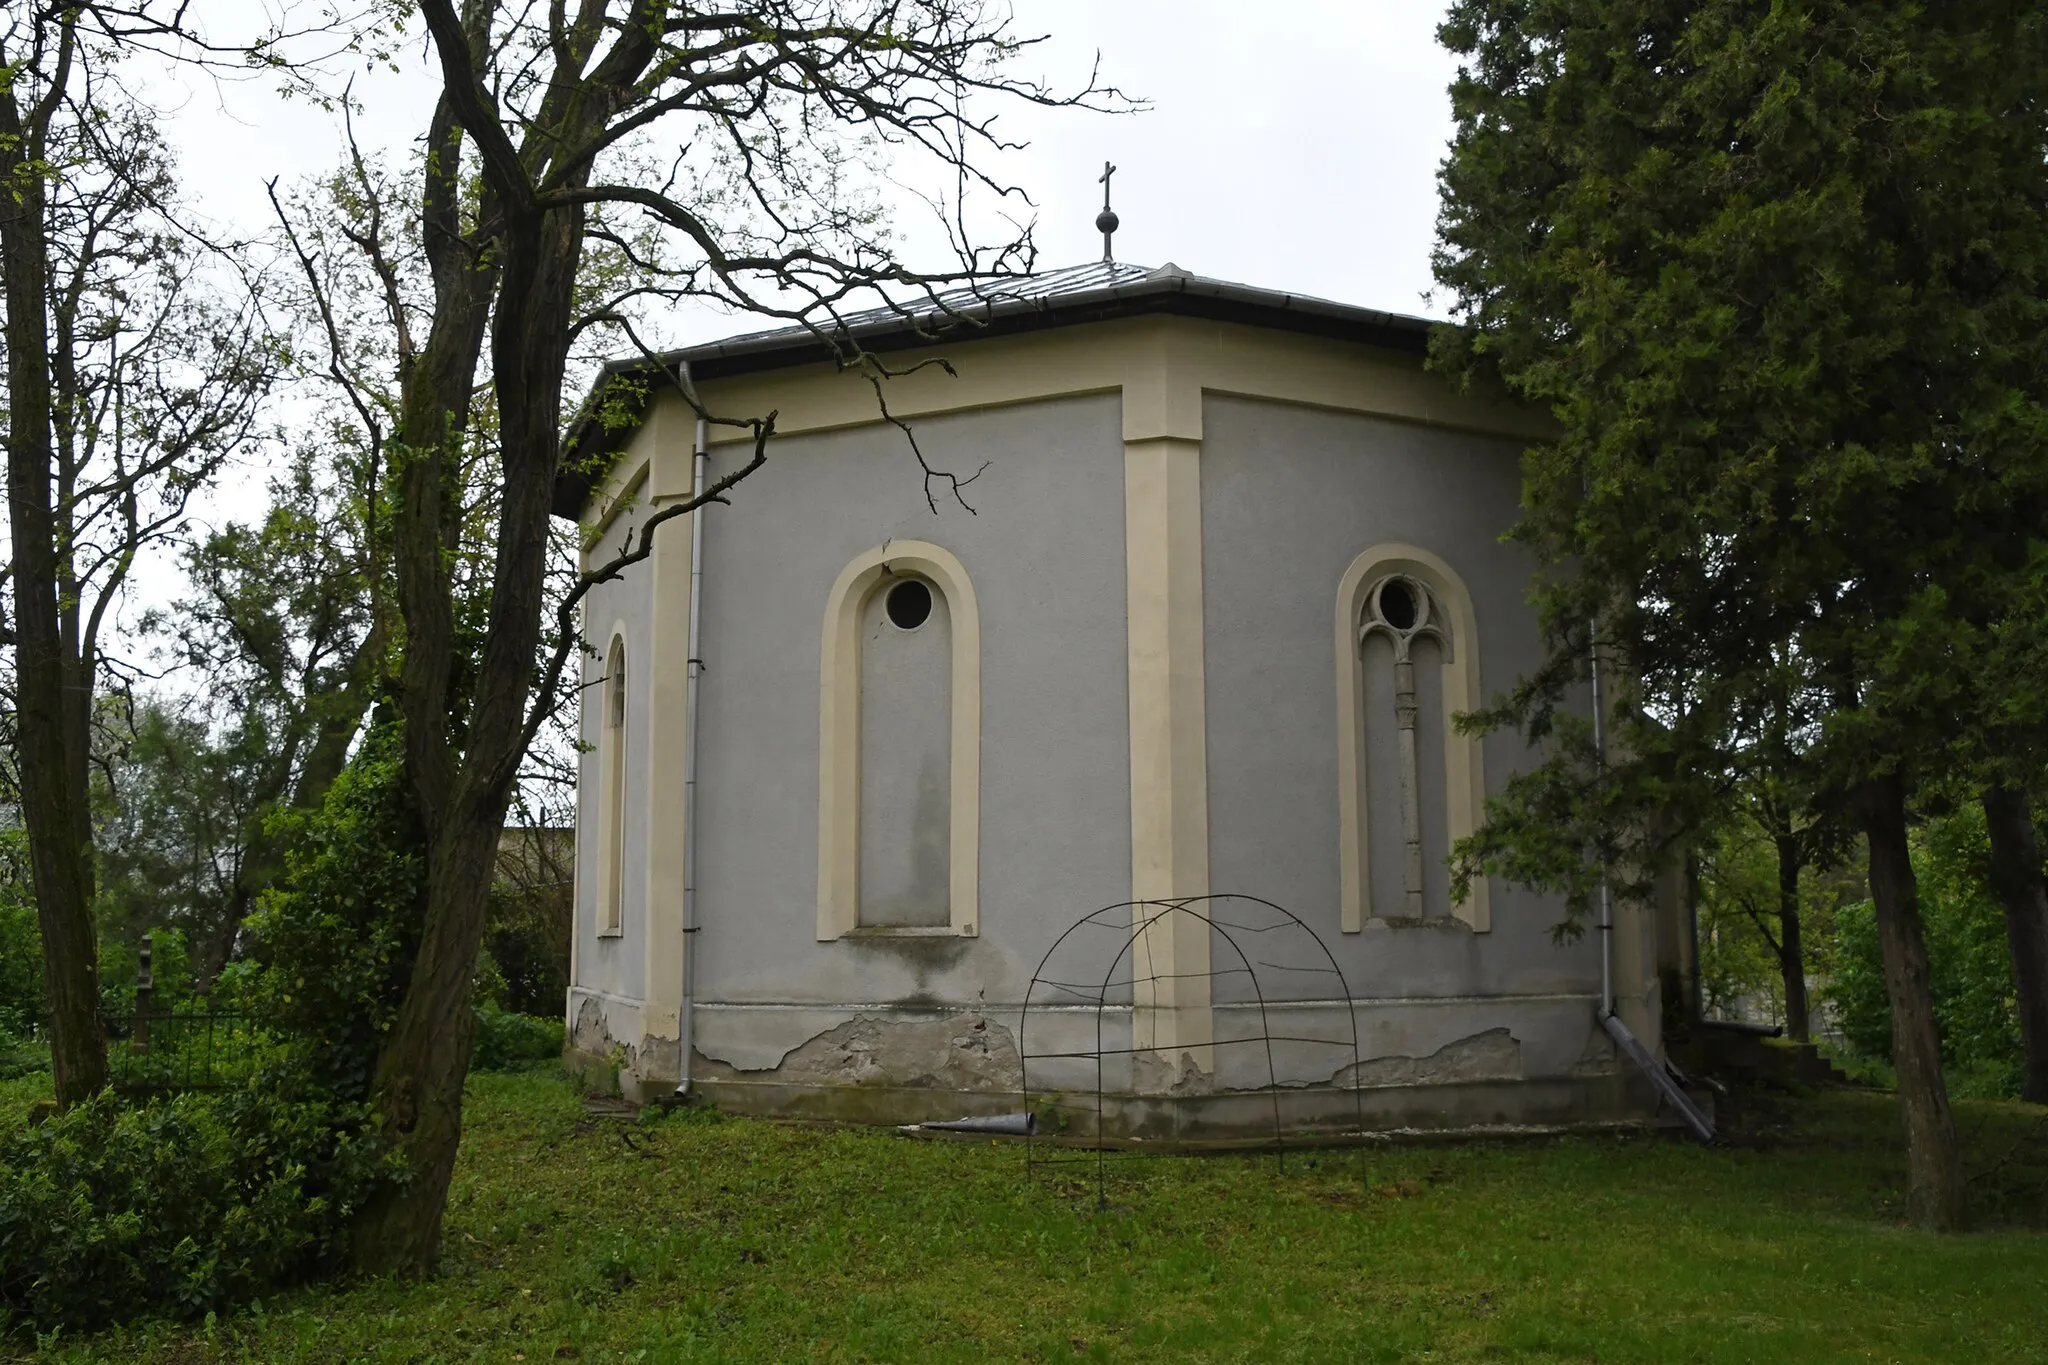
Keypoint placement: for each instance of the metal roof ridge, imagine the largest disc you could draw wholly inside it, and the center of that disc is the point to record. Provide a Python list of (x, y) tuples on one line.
[(956, 315), (916, 318)]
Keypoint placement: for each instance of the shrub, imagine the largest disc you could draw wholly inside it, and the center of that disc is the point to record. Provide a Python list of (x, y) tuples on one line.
[(1970, 962), (336, 940), (120, 969), (504, 1039), (21, 943), (21, 1054), (177, 1207)]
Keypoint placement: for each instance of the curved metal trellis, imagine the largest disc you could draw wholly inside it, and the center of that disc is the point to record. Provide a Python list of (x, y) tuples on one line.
[(1075, 1082)]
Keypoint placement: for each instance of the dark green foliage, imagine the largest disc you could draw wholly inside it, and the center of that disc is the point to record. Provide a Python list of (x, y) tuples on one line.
[(190, 1202), (21, 948), (121, 963), (505, 1040), (1781, 273), (1966, 946), (336, 938), (527, 934), (22, 1005), (174, 808), (1736, 960), (177, 1207), (1855, 990)]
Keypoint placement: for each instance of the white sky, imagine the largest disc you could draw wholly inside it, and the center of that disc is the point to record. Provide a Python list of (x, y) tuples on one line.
[(1294, 152)]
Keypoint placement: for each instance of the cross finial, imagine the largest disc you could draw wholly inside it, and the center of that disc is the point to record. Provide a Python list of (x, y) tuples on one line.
[(1106, 221)]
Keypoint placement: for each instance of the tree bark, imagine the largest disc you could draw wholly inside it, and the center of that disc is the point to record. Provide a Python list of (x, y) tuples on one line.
[(1791, 952), (417, 1089), (1936, 1195), (420, 1073), (60, 859), (2016, 876), (1695, 1004)]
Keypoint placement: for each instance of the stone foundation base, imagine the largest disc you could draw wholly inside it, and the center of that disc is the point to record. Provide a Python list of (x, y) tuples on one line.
[(1183, 1121)]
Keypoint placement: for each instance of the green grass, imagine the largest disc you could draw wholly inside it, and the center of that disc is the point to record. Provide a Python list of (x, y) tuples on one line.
[(695, 1238)]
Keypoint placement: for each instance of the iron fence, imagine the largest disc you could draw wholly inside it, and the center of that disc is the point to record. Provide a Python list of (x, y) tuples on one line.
[(154, 1052)]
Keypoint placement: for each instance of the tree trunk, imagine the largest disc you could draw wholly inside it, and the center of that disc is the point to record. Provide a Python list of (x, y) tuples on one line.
[(1791, 953), (420, 1072), (60, 859), (417, 1090), (2016, 875), (1695, 1004), (1936, 1196)]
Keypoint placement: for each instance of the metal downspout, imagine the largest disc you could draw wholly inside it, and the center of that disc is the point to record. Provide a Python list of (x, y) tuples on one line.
[(685, 1021), (1660, 1076), (1600, 772)]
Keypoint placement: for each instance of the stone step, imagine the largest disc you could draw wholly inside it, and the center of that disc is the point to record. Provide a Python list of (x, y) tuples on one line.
[(1746, 1053)]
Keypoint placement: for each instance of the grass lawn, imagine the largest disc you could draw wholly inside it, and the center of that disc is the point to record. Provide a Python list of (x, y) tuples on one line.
[(699, 1238)]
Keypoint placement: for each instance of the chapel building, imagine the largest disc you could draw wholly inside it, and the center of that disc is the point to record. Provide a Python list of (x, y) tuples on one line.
[(1231, 562)]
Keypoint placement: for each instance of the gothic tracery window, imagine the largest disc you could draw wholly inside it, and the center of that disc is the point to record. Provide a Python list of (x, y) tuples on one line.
[(1404, 612)]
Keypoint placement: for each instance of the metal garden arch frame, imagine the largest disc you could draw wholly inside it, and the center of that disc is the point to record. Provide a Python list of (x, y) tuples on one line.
[(1131, 923)]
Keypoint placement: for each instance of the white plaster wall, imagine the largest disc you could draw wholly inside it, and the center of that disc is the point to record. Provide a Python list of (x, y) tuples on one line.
[(1290, 496), (1044, 548), (613, 966)]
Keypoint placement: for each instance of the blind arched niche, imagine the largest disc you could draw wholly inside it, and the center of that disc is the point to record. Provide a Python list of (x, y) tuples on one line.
[(611, 818), (1364, 631), (903, 895)]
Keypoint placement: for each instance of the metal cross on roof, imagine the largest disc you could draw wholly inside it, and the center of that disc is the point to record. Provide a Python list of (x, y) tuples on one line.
[(1106, 221)]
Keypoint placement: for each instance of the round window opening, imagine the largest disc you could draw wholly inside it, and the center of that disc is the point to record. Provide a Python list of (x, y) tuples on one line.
[(1397, 604), (909, 604)]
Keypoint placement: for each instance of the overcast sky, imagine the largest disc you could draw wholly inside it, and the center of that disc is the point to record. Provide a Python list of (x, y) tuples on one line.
[(1292, 146), (1300, 155)]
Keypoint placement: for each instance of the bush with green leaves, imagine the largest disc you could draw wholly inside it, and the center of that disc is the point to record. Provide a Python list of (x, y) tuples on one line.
[(121, 968), (1969, 959), (505, 1040), (335, 941), (176, 1207), (21, 944)]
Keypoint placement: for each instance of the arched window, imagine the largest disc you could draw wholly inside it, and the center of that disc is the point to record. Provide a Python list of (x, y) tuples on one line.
[(1410, 784), (611, 822), (899, 790), (906, 752), (1402, 612)]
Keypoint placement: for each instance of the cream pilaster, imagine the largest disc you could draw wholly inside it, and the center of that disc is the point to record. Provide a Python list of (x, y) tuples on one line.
[(1638, 994), (664, 676), (1169, 742)]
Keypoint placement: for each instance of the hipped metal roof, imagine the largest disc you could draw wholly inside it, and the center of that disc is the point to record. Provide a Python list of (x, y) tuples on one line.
[(1096, 292)]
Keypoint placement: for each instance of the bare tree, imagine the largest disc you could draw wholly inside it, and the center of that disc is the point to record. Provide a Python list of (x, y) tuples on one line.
[(128, 384), (718, 151)]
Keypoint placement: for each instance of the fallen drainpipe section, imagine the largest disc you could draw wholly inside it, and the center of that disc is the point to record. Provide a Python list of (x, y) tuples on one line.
[(1631, 1046), (1002, 1125), (1660, 1076)]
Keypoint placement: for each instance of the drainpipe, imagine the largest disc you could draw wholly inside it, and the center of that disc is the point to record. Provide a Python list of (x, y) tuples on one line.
[(693, 677), (1606, 891), (1660, 1076)]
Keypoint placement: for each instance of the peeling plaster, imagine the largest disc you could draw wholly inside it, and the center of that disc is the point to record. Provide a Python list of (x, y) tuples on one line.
[(959, 1052), (1495, 1055), (1599, 1058), (1154, 1075), (592, 1032)]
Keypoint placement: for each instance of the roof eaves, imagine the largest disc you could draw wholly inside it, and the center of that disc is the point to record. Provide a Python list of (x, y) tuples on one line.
[(1158, 291)]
